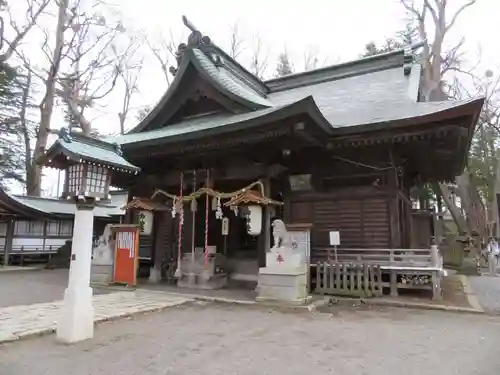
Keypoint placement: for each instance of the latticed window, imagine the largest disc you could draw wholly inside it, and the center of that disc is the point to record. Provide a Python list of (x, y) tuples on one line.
[(96, 179), (75, 174)]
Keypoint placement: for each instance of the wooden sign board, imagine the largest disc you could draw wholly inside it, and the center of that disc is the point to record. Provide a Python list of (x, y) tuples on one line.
[(225, 226), (126, 254)]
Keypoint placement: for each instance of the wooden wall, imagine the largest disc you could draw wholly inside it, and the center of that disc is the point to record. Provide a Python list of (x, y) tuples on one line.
[(361, 215)]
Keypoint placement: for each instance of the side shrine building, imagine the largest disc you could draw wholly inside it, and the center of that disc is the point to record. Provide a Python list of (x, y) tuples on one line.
[(334, 149)]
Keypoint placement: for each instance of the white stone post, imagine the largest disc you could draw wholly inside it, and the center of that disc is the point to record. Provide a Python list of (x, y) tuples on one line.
[(76, 322)]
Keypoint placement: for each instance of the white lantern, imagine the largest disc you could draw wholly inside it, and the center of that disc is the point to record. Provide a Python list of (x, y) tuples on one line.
[(84, 181), (254, 220), (145, 221)]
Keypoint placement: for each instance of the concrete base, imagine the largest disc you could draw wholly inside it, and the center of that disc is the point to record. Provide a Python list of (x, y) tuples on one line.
[(101, 274), (154, 275), (194, 281), (283, 285), (77, 316)]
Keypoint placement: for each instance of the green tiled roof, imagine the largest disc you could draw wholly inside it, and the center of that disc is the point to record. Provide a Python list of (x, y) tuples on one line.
[(224, 122), (227, 80), (77, 146)]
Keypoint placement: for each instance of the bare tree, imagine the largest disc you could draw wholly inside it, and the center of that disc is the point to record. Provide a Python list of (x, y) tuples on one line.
[(236, 42), (130, 77), (164, 51), (259, 58), (95, 62), (34, 8), (34, 171), (311, 58), (434, 60)]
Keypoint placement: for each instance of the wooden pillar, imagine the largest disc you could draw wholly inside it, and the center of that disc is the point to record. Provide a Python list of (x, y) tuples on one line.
[(392, 202), (265, 237), (9, 237)]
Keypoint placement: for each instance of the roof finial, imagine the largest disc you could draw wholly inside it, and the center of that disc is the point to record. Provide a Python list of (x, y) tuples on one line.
[(189, 25), (65, 135), (195, 40)]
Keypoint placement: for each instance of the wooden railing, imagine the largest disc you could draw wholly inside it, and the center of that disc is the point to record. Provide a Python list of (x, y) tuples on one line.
[(361, 280), (31, 249), (383, 257), (405, 269)]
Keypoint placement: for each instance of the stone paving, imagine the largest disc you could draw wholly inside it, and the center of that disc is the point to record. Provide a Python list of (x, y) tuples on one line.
[(35, 286), (487, 290), (220, 338), (27, 320)]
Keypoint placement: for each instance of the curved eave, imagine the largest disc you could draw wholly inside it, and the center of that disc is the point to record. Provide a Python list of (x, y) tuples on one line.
[(190, 59), (53, 152), (467, 108), (58, 148), (17, 207), (306, 106)]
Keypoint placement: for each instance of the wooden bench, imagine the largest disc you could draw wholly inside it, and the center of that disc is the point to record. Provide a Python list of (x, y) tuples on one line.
[(407, 268)]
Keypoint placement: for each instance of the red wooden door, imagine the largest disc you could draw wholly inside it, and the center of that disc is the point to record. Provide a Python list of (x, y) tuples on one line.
[(126, 255)]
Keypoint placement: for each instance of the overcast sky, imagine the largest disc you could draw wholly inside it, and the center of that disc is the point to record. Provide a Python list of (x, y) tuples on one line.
[(337, 29)]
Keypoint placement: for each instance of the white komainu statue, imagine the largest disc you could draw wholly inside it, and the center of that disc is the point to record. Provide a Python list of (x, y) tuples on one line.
[(282, 253), (280, 235), (104, 250)]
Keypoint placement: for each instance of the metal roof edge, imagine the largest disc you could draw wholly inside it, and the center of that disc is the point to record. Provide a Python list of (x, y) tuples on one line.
[(338, 71)]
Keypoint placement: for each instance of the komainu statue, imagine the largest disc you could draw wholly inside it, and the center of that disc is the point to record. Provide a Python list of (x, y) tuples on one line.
[(280, 235)]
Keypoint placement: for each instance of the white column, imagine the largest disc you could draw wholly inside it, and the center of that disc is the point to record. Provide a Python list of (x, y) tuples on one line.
[(76, 322)]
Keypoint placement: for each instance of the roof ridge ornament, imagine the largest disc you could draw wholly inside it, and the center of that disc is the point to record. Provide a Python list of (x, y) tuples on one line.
[(195, 40), (65, 135), (118, 148)]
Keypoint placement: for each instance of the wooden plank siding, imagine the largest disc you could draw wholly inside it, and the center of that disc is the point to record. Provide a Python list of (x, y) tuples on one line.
[(360, 215)]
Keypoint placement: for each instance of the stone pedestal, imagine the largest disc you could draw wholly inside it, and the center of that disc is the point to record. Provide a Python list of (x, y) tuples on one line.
[(284, 279), (76, 322), (198, 275), (283, 286), (154, 275)]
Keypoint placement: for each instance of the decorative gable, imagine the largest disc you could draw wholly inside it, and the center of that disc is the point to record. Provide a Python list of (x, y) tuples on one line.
[(206, 80)]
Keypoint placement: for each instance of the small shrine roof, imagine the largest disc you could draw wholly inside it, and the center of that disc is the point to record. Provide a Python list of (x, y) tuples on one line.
[(78, 147), (145, 204)]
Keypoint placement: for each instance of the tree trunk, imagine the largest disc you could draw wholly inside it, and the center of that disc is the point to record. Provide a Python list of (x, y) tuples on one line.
[(47, 104)]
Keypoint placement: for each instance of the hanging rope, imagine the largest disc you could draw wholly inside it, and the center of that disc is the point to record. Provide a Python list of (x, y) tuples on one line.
[(206, 217), (209, 191), (193, 217), (181, 220)]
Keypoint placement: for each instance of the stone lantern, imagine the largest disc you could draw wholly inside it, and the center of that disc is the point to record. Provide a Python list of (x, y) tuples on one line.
[(90, 166)]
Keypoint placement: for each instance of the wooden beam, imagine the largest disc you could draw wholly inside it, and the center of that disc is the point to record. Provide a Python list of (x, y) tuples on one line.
[(243, 172)]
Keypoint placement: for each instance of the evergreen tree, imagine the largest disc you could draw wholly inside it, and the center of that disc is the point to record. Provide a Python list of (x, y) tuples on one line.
[(15, 128), (284, 66)]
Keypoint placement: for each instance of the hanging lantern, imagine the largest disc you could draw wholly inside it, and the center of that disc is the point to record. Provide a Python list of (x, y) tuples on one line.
[(194, 205), (254, 220), (214, 203), (145, 221), (250, 202)]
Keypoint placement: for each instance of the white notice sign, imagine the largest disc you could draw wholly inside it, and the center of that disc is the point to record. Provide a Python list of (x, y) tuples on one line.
[(334, 238)]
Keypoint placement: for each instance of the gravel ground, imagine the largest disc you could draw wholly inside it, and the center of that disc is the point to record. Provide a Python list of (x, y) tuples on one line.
[(217, 339), (28, 287), (487, 290)]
